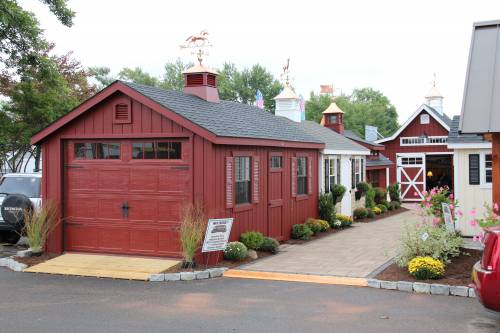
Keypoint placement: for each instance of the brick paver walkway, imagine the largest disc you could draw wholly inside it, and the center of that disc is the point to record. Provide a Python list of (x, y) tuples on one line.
[(355, 252)]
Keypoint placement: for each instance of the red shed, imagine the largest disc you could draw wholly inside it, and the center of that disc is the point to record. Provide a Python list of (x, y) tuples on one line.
[(122, 163), (419, 150)]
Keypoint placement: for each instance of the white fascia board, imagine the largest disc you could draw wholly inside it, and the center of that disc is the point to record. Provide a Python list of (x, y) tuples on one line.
[(470, 145), (345, 152)]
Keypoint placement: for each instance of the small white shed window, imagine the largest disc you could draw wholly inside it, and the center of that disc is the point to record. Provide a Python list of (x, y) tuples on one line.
[(357, 171), (424, 119), (332, 172), (487, 174)]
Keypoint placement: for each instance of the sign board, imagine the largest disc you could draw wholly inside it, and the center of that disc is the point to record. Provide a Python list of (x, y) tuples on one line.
[(448, 217), (217, 234)]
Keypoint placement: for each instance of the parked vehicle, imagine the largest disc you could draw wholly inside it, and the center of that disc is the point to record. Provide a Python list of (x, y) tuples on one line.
[(486, 272), (18, 192)]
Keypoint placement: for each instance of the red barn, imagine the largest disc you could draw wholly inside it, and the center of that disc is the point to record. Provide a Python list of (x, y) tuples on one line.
[(419, 150), (120, 165)]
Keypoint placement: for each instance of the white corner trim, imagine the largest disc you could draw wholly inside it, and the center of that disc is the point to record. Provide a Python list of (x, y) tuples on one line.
[(345, 152), (478, 145)]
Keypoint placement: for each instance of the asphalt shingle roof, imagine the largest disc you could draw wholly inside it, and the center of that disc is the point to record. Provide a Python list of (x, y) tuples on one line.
[(447, 120), (456, 137), (226, 119), (382, 160), (332, 139)]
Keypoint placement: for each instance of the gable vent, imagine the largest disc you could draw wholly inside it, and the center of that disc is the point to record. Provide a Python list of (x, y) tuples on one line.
[(194, 80), (122, 114), (211, 80)]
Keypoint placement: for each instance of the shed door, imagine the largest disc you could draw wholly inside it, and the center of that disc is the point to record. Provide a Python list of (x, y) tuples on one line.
[(411, 176), (275, 196), (124, 196)]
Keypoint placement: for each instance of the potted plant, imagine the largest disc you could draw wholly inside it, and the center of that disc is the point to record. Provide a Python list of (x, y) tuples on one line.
[(338, 192), (193, 225), (38, 224)]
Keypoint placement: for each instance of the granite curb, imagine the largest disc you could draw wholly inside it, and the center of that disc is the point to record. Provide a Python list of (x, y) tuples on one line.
[(189, 276), (423, 288)]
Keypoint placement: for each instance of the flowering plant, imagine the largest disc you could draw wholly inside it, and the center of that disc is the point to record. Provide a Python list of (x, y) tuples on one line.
[(424, 268), (431, 205), (490, 218)]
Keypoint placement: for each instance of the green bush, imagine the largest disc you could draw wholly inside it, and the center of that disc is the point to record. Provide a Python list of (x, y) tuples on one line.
[(333, 222), (235, 251), (345, 221), (394, 192), (389, 205), (370, 198), (326, 206), (252, 239), (360, 213), (314, 225), (338, 192), (395, 204), (382, 207), (370, 213), (363, 187), (301, 231), (439, 243), (270, 245), (380, 195)]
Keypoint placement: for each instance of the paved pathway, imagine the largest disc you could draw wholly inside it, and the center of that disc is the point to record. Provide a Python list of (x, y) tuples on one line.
[(355, 252)]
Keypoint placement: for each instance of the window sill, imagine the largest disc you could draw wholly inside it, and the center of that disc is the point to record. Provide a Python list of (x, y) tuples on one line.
[(485, 185), (301, 197), (243, 207)]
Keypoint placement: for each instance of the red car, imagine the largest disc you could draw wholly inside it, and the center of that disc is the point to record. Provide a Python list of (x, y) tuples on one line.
[(486, 272)]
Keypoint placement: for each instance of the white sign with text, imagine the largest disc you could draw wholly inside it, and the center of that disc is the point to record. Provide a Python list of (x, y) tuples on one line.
[(217, 234), (448, 217)]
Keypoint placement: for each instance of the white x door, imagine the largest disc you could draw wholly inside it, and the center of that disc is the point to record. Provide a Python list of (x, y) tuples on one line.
[(411, 176)]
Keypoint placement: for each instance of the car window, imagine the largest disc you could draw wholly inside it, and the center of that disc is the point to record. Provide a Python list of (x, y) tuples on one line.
[(29, 186)]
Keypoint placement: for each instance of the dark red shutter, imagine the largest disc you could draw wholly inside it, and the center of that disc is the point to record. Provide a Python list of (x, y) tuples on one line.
[(309, 176), (255, 179), (229, 182), (293, 170)]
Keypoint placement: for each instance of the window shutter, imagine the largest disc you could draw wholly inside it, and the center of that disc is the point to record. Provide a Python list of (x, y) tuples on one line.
[(474, 178), (309, 176), (229, 182), (293, 170), (255, 179)]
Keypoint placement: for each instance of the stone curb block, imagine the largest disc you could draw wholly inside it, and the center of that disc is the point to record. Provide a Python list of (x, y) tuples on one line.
[(422, 288), (187, 276), (215, 272), (373, 283), (157, 277), (201, 275), (391, 285), (405, 286), (472, 293), (16, 266), (459, 291), (172, 276), (24, 253), (4, 262), (440, 289)]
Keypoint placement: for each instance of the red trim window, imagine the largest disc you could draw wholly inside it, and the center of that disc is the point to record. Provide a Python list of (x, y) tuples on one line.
[(157, 150), (302, 175), (97, 150), (243, 180)]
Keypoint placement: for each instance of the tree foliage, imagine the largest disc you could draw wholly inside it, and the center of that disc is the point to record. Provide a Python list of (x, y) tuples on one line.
[(315, 106)]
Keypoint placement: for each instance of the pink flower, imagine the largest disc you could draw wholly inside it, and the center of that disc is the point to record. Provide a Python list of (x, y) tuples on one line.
[(424, 193), (428, 205), (459, 213), (452, 206), (478, 238), (495, 206), (415, 193), (473, 212), (473, 223), (451, 196), (436, 221)]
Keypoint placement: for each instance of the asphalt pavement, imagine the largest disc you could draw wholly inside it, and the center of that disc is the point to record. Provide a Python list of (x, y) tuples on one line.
[(51, 303)]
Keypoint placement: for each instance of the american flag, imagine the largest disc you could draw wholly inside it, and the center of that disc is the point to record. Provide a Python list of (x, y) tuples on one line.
[(259, 100)]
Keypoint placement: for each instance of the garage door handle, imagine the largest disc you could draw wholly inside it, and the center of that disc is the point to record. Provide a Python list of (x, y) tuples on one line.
[(125, 208)]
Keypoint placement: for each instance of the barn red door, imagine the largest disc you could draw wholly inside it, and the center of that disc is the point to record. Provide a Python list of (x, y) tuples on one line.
[(124, 196), (275, 195), (411, 176)]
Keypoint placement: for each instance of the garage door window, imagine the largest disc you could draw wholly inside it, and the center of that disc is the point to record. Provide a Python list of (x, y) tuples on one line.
[(156, 150), (97, 151)]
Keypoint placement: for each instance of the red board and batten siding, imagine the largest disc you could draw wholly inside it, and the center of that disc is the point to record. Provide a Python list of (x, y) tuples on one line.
[(414, 129), (206, 162)]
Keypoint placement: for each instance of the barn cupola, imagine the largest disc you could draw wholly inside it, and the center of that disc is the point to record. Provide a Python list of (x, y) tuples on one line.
[(333, 118), (434, 98), (202, 82), (287, 102)]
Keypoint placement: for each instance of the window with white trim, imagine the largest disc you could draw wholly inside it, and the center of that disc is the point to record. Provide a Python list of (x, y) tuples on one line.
[(417, 140), (424, 119), (332, 172), (357, 171), (488, 169)]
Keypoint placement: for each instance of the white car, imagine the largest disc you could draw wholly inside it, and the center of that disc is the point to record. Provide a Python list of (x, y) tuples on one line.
[(18, 191)]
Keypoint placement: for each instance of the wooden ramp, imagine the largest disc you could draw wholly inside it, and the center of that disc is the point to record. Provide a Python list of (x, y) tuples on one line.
[(103, 266)]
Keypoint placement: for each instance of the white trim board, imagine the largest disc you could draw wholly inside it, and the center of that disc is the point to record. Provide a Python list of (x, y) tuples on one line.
[(345, 152), (470, 145)]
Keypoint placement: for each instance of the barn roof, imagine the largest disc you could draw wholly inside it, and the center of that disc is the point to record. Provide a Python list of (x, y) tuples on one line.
[(455, 137), (332, 139), (379, 161)]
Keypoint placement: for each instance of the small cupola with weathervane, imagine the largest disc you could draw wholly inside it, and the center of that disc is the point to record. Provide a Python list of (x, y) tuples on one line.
[(199, 80), (333, 118)]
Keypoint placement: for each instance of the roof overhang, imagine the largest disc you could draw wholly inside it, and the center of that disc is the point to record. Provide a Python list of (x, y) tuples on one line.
[(345, 152), (470, 145)]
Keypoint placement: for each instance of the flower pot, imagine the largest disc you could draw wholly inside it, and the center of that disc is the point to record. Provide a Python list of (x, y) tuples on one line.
[(188, 264)]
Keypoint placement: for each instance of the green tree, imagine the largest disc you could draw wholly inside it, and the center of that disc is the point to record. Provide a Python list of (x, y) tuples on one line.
[(173, 78), (315, 106), (102, 76), (137, 75)]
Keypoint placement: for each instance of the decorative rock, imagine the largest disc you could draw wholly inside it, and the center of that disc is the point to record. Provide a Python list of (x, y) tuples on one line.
[(374, 283), (405, 286), (157, 277), (187, 276), (4, 262), (215, 272), (440, 289), (392, 285), (252, 254), (17, 266), (24, 253), (200, 275), (459, 291), (472, 293), (172, 276), (420, 287)]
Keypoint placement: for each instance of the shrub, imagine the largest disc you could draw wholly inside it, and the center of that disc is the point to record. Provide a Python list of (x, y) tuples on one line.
[(425, 240), (326, 206), (193, 225), (360, 213), (363, 187), (332, 221), (370, 213), (324, 225), (38, 224), (235, 251), (380, 195), (336, 224), (301, 231), (370, 198), (252, 239), (389, 206), (386, 204), (314, 225), (395, 204), (383, 208), (344, 220), (425, 268), (394, 192), (433, 200), (270, 245), (338, 192), (377, 210)]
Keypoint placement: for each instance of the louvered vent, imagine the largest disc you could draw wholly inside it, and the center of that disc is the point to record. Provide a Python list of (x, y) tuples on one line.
[(122, 114), (211, 80), (194, 80)]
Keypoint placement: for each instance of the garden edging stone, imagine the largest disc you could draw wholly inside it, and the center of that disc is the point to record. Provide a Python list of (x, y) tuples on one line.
[(423, 288), (189, 276)]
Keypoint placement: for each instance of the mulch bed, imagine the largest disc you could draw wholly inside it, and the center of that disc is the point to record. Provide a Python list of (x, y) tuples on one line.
[(384, 215), (458, 273), (32, 261)]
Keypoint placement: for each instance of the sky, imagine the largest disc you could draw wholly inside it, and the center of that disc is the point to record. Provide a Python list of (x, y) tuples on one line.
[(392, 46)]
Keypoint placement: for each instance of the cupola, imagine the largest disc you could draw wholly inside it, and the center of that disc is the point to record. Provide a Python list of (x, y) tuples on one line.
[(202, 82), (333, 118), (434, 98), (288, 104)]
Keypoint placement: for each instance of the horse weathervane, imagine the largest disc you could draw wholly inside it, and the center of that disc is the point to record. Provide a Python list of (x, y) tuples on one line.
[(286, 72), (198, 41)]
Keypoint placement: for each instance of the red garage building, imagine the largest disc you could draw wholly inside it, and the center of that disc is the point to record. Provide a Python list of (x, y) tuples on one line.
[(122, 163)]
